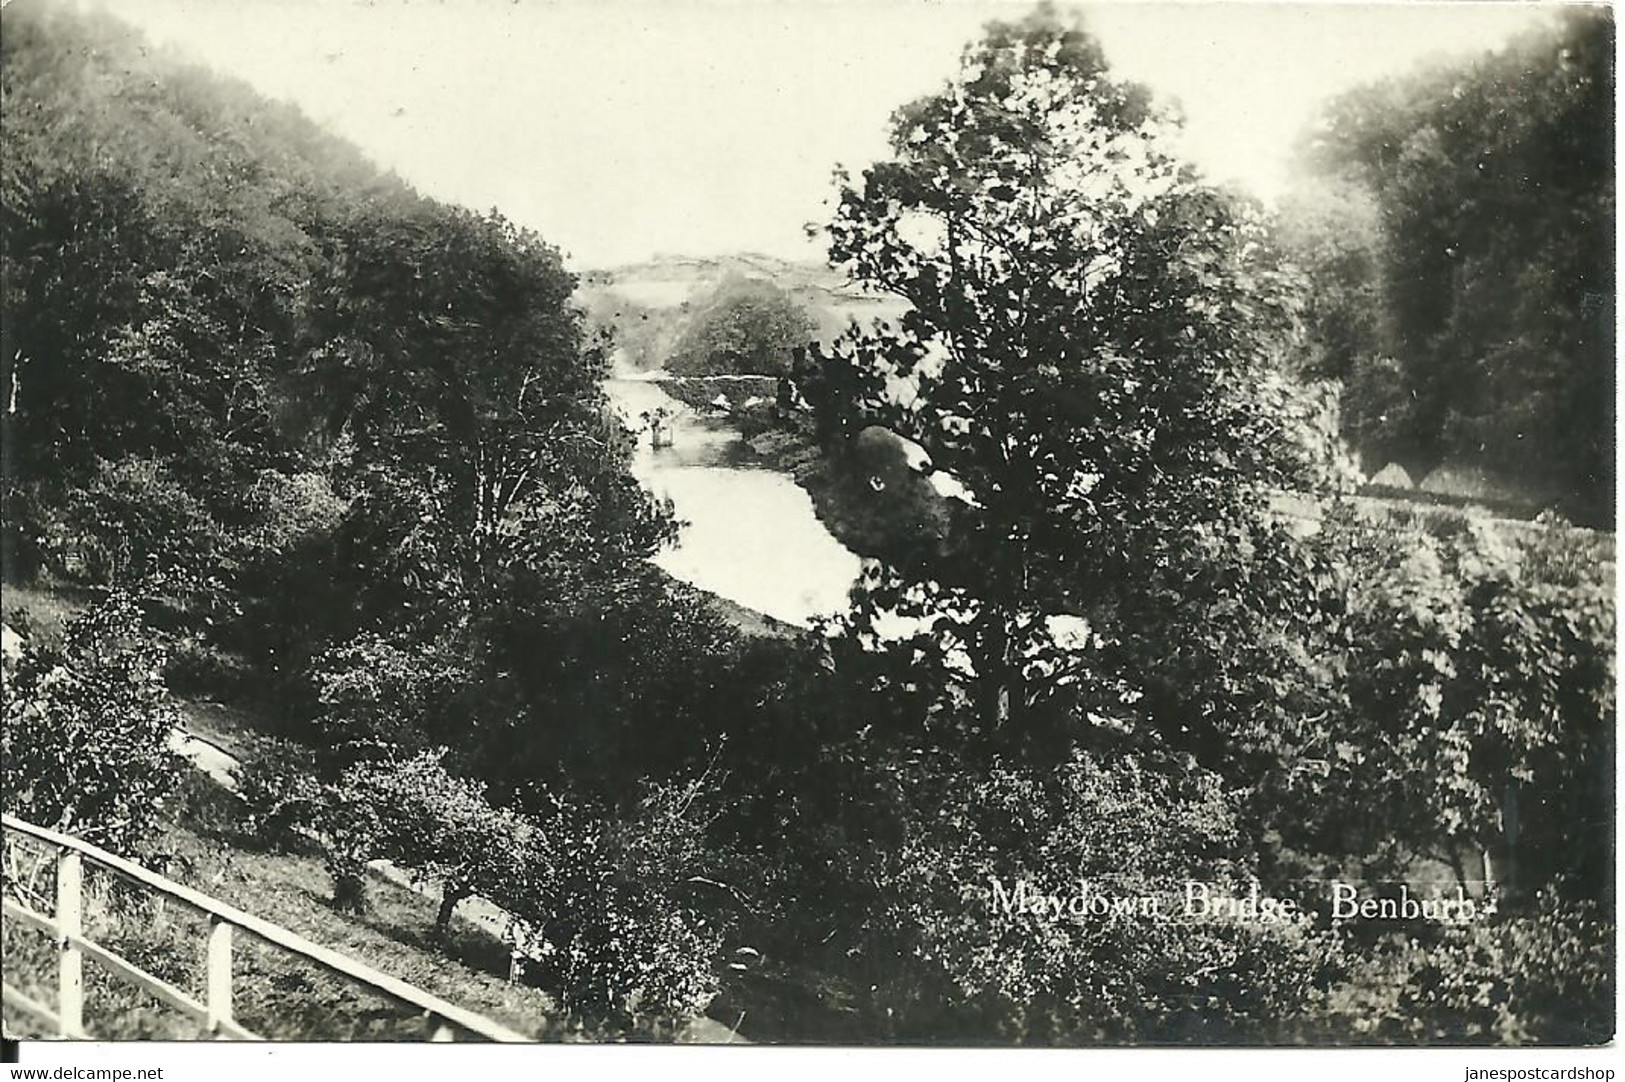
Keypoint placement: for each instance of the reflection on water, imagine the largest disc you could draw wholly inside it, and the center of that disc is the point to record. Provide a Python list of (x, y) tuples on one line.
[(751, 535)]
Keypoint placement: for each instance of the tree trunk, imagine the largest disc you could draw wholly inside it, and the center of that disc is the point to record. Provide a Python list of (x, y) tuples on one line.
[(449, 897), (1454, 853), (1510, 829), (1001, 678)]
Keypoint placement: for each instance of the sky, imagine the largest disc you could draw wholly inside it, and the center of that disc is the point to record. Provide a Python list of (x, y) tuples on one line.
[(622, 129)]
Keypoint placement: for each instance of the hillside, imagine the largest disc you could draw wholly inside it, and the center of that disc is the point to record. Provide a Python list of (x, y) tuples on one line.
[(647, 303), (285, 421)]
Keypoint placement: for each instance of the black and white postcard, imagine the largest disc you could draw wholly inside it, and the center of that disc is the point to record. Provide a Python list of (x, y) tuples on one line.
[(815, 523)]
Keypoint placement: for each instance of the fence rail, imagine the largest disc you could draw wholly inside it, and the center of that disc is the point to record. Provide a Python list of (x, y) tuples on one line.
[(443, 1021)]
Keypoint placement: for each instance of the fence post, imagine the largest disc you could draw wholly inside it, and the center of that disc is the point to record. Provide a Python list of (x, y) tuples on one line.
[(217, 987), (438, 1028), (70, 922)]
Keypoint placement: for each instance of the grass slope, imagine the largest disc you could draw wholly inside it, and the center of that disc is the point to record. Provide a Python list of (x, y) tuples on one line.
[(278, 997), (203, 845)]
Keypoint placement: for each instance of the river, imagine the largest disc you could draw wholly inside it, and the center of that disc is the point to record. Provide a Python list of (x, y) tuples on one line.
[(749, 533)]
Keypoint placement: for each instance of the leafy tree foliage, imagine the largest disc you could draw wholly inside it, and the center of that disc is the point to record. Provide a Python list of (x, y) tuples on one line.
[(342, 413), (142, 522), (442, 828), (1096, 358), (379, 699), (157, 226), (447, 346), (1466, 705), (744, 326), (1543, 978), (1114, 834), (608, 910), (1090, 356), (282, 793), (1333, 232), (609, 915), (607, 680), (85, 744), (1092, 361), (292, 591), (1493, 185), (234, 267)]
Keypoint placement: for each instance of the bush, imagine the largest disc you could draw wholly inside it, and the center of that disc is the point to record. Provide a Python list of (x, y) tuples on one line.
[(290, 509), (1138, 827), (294, 593), (136, 519), (1465, 668), (86, 734), (377, 699), (744, 326), (1542, 978), (282, 796), (196, 667), (349, 823), (605, 920), (601, 916), (440, 827)]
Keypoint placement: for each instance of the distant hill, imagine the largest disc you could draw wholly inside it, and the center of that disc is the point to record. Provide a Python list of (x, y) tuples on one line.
[(647, 304)]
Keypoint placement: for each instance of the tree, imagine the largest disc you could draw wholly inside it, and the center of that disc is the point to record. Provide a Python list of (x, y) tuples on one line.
[(85, 744), (610, 910), (1467, 708), (159, 233), (379, 700), (1090, 355), (745, 326), (1493, 180), (446, 344), (1131, 954), (1542, 978), (441, 828), (155, 250), (1331, 231)]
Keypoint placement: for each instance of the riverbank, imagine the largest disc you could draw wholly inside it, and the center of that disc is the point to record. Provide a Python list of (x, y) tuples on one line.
[(722, 394), (864, 496), (750, 534)]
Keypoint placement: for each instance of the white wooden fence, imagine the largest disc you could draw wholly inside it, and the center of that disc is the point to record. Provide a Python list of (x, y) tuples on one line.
[(442, 1021)]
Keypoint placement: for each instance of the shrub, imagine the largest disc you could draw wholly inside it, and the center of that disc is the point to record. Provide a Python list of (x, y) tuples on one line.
[(1542, 978), (289, 509), (376, 698), (87, 725), (1470, 685), (282, 796), (350, 826), (295, 594), (605, 920), (742, 326), (1138, 827), (136, 519), (440, 827), (196, 667), (600, 906)]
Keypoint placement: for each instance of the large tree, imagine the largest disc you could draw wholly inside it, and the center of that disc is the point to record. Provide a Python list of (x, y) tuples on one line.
[(1090, 356), (744, 326), (1492, 279), (449, 351)]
